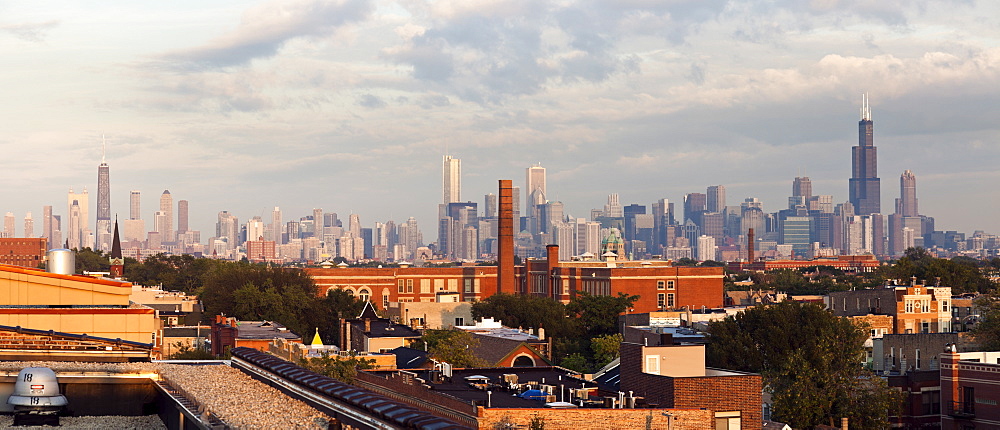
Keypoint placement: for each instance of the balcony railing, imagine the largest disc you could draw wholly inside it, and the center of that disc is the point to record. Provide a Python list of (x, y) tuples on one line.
[(961, 409)]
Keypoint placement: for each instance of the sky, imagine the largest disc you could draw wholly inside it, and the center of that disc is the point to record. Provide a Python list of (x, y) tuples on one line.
[(350, 105)]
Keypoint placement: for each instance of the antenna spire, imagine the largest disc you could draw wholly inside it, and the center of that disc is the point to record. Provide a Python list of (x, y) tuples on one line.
[(866, 112), (104, 148)]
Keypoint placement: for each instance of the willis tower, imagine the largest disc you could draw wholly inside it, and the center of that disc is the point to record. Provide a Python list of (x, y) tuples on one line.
[(865, 192)]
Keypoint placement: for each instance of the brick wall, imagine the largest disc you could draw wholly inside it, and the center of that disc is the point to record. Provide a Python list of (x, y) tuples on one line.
[(22, 251), (578, 419), (736, 392)]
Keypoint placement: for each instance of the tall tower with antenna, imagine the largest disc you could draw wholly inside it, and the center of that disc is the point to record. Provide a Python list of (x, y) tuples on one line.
[(103, 230), (865, 188)]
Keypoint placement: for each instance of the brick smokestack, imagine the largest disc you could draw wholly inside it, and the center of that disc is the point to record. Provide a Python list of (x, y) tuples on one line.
[(750, 246), (551, 262), (505, 257)]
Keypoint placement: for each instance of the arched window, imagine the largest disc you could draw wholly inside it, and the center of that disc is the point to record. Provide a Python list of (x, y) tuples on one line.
[(364, 294), (385, 298), (524, 361)]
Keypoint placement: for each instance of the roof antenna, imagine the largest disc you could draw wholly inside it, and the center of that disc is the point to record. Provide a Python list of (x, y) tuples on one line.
[(104, 148)]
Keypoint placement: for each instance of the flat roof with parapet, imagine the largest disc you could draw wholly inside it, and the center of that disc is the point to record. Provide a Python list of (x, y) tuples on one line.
[(466, 385)]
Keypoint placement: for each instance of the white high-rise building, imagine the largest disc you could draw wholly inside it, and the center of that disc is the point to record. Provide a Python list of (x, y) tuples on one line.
[(29, 225), (613, 208), (451, 179), (255, 229), (706, 248), (275, 227), (79, 231), (8, 225), (166, 227)]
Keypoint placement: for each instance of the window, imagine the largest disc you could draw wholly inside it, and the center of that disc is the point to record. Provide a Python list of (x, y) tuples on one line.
[(917, 356), (661, 285), (364, 295), (425, 285), (468, 285), (409, 286), (385, 301), (565, 287), (670, 285), (670, 300), (661, 300), (931, 402), (400, 284), (909, 307), (653, 364), (459, 321)]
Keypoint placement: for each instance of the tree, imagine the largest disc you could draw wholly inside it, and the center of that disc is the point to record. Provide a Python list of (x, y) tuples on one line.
[(598, 315), (453, 346), (89, 260), (962, 274), (987, 330), (810, 360), (606, 348), (342, 369), (575, 361), (187, 352), (527, 311)]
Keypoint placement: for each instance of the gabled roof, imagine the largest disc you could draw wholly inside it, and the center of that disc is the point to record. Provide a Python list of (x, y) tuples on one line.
[(368, 311), (381, 327), (493, 349), (409, 358)]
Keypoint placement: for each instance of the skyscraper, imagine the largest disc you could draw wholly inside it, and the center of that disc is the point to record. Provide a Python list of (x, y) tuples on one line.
[(182, 216), (77, 230), (134, 209), (47, 224), (865, 192), (103, 230), (694, 204), (8, 225), (451, 179), (490, 206), (716, 198), (535, 185), (907, 203), (29, 225), (802, 187), (165, 225)]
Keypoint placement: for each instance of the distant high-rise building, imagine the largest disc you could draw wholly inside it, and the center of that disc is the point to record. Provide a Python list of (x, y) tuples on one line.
[(103, 230), (451, 179), (182, 216), (166, 226), (865, 192), (715, 198), (77, 231), (228, 227), (354, 224), (134, 208), (8, 225), (29, 225), (47, 224), (318, 223), (74, 236), (275, 227), (490, 206), (255, 229), (694, 204), (802, 187), (907, 203), (535, 188), (614, 208)]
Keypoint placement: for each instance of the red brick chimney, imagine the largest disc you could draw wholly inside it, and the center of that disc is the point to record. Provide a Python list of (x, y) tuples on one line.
[(551, 262), (750, 246), (505, 256)]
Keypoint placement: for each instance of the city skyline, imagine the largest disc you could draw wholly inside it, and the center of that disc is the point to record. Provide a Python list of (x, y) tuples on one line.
[(644, 113)]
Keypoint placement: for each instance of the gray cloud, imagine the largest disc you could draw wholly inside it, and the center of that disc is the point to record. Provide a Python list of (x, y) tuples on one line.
[(371, 102), (31, 32), (266, 28)]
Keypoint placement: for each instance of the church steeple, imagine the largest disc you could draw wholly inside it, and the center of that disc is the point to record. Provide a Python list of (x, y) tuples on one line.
[(117, 262)]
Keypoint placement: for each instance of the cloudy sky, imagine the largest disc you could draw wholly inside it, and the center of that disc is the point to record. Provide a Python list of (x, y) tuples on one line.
[(348, 105)]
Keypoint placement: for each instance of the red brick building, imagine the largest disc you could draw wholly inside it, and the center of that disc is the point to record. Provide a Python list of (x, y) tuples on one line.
[(675, 376), (658, 284), (970, 390), (847, 263), (22, 251)]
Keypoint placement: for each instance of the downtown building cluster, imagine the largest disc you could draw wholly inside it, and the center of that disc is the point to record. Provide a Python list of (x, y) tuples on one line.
[(704, 226)]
